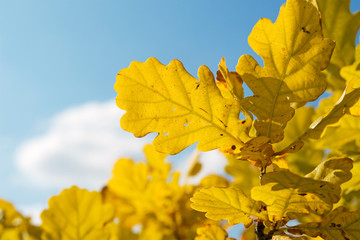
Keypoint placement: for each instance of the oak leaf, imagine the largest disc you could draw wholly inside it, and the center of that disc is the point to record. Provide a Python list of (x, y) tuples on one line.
[(288, 195), (76, 214), (335, 170), (294, 52), (181, 109), (227, 204), (337, 225), (348, 99), (342, 26)]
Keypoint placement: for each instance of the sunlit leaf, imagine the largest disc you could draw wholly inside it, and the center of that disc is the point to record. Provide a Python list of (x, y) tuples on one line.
[(342, 26), (347, 100), (335, 170), (352, 76), (338, 225), (183, 110), (294, 52), (289, 195), (229, 83), (295, 128), (227, 204), (76, 214), (258, 151)]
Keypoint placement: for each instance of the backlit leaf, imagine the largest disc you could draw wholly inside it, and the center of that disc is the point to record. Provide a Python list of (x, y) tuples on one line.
[(342, 26), (295, 128), (338, 225), (229, 83), (335, 170), (171, 102), (227, 204), (294, 52), (352, 76), (298, 149), (347, 100), (258, 151), (289, 195), (76, 214)]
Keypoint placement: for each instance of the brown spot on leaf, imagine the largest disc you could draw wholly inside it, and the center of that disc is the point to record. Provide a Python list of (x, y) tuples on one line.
[(304, 30)]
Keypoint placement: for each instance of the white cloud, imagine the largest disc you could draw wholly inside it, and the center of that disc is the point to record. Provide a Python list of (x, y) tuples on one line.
[(79, 148)]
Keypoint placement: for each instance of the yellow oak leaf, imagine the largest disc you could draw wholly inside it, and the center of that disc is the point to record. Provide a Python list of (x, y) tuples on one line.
[(76, 214), (337, 225), (229, 83), (294, 52), (336, 170), (227, 204), (211, 232), (349, 97), (288, 195), (295, 128), (258, 151), (181, 109), (347, 135), (130, 179), (306, 159), (352, 76), (342, 26)]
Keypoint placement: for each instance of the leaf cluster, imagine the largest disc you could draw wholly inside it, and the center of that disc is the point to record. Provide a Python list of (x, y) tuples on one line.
[(281, 135), (287, 159)]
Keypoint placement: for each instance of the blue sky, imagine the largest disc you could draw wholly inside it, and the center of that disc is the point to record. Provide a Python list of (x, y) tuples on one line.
[(58, 62)]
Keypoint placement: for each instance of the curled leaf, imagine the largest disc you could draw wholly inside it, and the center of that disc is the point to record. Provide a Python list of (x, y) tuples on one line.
[(335, 170)]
